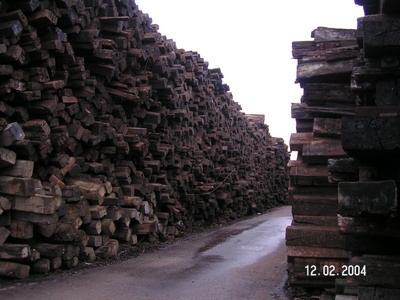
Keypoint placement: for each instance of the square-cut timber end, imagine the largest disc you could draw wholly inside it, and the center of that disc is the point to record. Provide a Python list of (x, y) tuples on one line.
[(367, 198)]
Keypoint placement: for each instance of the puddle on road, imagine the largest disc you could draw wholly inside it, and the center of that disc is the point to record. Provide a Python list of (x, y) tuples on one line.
[(246, 246), (226, 234)]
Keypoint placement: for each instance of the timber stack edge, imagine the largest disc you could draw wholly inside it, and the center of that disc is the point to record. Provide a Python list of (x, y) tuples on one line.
[(362, 170)]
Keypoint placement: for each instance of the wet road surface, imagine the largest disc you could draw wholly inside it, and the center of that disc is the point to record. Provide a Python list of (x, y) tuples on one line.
[(246, 260)]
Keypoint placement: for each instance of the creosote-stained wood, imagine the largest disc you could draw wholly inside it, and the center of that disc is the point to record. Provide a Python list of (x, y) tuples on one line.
[(14, 251), (301, 174), (17, 186), (382, 270), (316, 236), (318, 152), (369, 197), (14, 270), (376, 137), (109, 131), (324, 71)]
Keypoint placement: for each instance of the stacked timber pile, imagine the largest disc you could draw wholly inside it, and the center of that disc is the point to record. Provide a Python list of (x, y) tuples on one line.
[(368, 208), (110, 134), (324, 69)]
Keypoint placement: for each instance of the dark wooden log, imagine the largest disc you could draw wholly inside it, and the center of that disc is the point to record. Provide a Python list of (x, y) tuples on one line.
[(21, 168), (109, 250), (10, 28), (301, 174), (325, 127), (314, 236), (298, 140), (90, 190), (381, 270), (95, 241), (7, 157), (42, 266), (375, 44), (21, 230), (93, 228), (14, 270), (334, 71), (304, 251), (108, 226), (318, 152), (365, 227), (346, 169), (18, 186), (15, 15), (374, 138), (4, 233), (332, 34), (15, 251), (49, 250), (304, 111), (37, 219), (372, 198), (314, 205), (42, 18), (38, 204)]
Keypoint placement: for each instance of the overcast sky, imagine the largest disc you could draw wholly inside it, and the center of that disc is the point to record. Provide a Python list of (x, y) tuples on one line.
[(251, 42)]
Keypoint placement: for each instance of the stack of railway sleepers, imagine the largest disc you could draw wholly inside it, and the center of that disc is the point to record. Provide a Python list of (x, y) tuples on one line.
[(110, 134), (314, 243), (368, 207)]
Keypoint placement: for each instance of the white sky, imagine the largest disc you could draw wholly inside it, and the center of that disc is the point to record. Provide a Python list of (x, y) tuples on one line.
[(251, 42)]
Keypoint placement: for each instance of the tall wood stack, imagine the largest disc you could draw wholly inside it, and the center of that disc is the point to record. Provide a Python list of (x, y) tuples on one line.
[(111, 134), (364, 190), (368, 207), (313, 239)]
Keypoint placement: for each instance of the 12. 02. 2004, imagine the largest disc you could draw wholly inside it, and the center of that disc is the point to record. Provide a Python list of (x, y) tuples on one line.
[(332, 270)]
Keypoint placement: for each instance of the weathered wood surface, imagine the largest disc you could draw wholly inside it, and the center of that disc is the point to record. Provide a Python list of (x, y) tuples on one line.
[(324, 70), (375, 138), (368, 208), (314, 205), (325, 127), (344, 169), (298, 140), (314, 236), (365, 293), (367, 227), (309, 219), (15, 251), (374, 43), (383, 271), (377, 198), (340, 93), (318, 152), (14, 270), (305, 111), (330, 34), (316, 252), (302, 174), (105, 125)]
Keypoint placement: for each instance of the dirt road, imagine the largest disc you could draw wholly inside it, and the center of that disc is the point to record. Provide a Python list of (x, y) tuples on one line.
[(246, 260)]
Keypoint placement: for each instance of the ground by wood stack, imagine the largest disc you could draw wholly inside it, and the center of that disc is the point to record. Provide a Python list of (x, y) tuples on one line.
[(111, 134)]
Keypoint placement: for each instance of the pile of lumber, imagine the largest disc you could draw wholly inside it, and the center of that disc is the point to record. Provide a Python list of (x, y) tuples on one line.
[(344, 182), (109, 133), (313, 239), (368, 207)]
